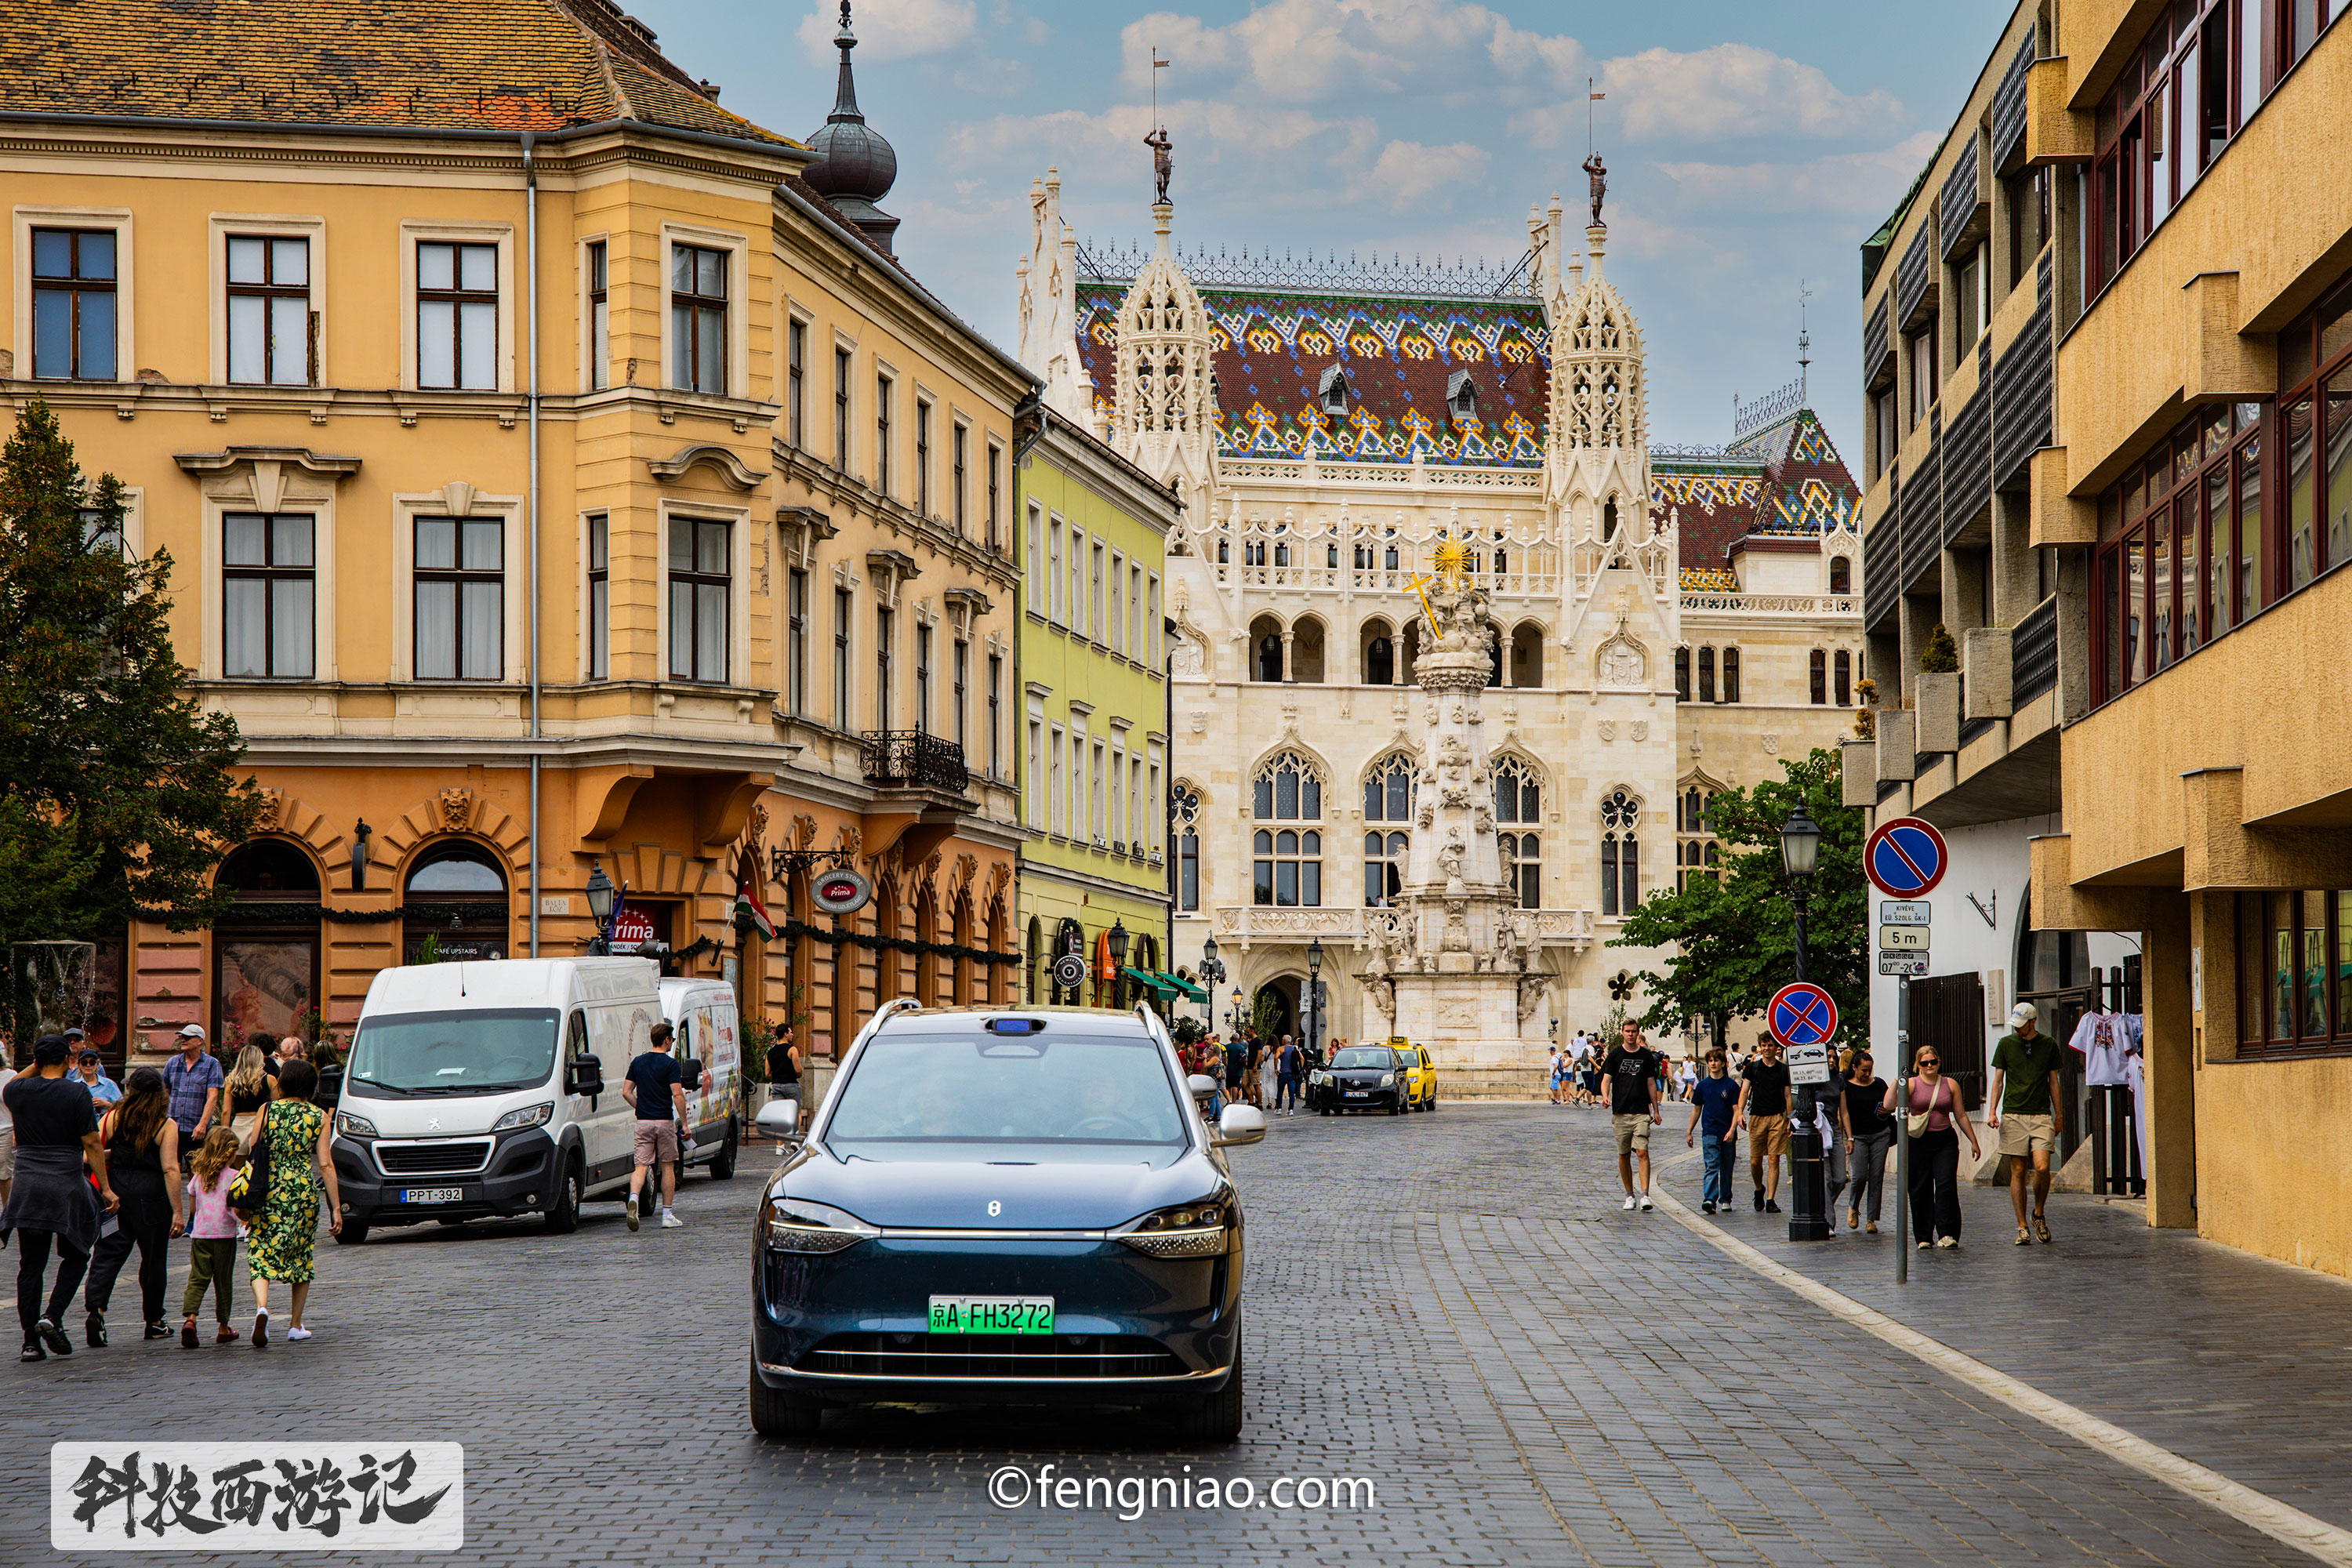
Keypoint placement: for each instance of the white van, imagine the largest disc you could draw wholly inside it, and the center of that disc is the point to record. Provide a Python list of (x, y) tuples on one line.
[(708, 1041), (488, 1091)]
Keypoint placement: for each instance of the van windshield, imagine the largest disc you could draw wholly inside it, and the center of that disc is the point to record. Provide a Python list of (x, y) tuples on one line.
[(401, 1055)]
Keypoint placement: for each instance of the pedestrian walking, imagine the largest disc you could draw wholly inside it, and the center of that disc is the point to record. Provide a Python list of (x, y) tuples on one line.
[(247, 1090), (282, 1242), (90, 1073), (784, 1070), (1715, 1103), (656, 1091), (1552, 1074), (1690, 1076), (1934, 1105), (2026, 1112), (143, 1152), (212, 1231), (51, 1205), (194, 1080), (1764, 1113), (7, 1123), (1869, 1133), (1285, 1078), (1637, 1087)]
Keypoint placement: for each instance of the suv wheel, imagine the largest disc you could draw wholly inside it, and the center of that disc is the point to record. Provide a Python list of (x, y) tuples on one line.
[(775, 1414), (1213, 1417)]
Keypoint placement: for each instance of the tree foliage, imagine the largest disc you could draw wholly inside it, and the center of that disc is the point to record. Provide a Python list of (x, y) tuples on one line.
[(116, 796), (1733, 942)]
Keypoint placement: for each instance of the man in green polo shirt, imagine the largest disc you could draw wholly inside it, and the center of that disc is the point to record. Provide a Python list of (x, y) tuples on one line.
[(2026, 1112)]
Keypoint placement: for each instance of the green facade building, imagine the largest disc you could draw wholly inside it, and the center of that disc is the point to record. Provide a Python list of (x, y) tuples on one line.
[(1094, 739)]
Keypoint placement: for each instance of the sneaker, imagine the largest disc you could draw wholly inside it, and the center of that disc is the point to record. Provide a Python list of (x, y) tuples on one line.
[(2041, 1228), (298, 1334), (261, 1330), (1707, 1206), (156, 1331), (671, 1221), (188, 1334), (1950, 1243), (225, 1335), (1925, 1244), (633, 1211), (93, 1330), (1646, 1205), (1629, 1202), (1771, 1205), (54, 1337), (33, 1352), (2024, 1236), (1759, 1200)]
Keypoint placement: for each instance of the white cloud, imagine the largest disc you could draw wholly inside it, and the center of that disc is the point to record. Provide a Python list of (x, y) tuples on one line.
[(1735, 89), (1844, 185), (1407, 172), (1274, 148), (891, 29), (1309, 51)]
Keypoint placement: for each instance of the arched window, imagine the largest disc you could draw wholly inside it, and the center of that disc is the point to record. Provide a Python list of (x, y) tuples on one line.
[(1389, 789), (1731, 675), (1265, 649), (1286, 870), (1527, 655), (1384, 862), (1844, 678), (1380, 655), (1184, 801), (1306, 651), (1841, 575), (1518, 796), (1494, 656), (1706, 674), (265, 955), (1388, 796), (1682, 675), (1819, 676), (1033, 971), (1621, 853), (457, 893), (1523, 868), (1695, 848)]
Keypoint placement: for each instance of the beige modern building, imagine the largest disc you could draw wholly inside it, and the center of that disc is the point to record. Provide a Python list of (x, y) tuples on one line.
[(560, 473), (2131, 218)]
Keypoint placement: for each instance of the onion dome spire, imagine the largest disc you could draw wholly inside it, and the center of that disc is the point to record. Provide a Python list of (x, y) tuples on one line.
[(855, 165)]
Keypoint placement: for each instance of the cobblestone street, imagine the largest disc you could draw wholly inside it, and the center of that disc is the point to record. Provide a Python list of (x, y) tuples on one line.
[(1451, 1306)]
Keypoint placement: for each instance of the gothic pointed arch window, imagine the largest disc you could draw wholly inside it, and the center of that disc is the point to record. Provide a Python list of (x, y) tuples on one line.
[(1184, 806), (1519, 802), (1697, 852), (1287, 861), (1388, 798), (1621, 853)]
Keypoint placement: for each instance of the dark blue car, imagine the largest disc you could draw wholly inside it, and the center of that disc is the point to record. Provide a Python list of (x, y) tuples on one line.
[(1003, 1206)]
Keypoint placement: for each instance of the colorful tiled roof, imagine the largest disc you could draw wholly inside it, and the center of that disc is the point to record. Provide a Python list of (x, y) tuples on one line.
[(1709, 580), (473, 65), (1399, 356), (1786, 480)]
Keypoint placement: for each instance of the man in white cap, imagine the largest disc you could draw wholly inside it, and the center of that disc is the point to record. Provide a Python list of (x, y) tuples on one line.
[(193, 1079), (2024, 1108)]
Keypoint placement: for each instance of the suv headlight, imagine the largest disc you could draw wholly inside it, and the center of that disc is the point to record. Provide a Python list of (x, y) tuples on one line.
[(351, 1126), (528, 1116), (1202, 1229), (797, 1226)]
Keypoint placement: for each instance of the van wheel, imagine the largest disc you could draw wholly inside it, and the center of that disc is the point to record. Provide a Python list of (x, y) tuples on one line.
[(563, 1214), (351, 1233), (723, 1164), (775, 1414)]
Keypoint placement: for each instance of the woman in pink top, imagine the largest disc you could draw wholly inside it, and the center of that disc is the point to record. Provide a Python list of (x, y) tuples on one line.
[(1935, 1154)]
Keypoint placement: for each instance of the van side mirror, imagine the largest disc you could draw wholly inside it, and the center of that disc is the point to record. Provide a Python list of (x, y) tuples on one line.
[(693, 1074), (583, 1075)]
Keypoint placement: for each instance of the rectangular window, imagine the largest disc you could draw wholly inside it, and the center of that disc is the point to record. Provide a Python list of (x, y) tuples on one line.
[(73, 304), (923, 459), (796, 384), (268, 311), (1095, 824), (996, 715), (958, 449), (1706, 674), (1034, 786), (1921, 351), (1882, 414), (1844, 678), (267, 594), (697, 319), (1053, 783), (1154, 629), (700, 558), (958, 692), (2294, 973), (1096, 626), (600, 599), (995, 517), (1116, 622), (1731, 675), (922, 679), (882, 433), (841, 409), (1967, 288), (600, 318), (796, 638), (1155, 823), (1819, 676), (456, 315), (1040, 592), (885, 630), (460, 598), (1054, 607), (1075, 604), (841, 655), (1136, 635)]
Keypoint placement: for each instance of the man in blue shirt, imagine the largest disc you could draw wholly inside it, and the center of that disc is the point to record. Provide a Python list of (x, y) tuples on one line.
[(103, 1090), (1713, 1104), (194, 1080)]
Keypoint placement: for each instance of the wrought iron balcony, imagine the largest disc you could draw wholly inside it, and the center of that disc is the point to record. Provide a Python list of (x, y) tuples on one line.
[(911, 759)]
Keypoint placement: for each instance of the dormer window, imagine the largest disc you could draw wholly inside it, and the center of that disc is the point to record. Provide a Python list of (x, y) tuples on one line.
[(1462, 396), (1332, 392)]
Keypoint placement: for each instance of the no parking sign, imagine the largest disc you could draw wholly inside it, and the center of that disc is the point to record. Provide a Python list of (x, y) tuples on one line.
[(1801, 1016)]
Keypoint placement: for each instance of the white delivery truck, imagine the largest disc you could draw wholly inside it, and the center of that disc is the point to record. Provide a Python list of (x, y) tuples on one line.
[(707, 1040), (490, 1090)]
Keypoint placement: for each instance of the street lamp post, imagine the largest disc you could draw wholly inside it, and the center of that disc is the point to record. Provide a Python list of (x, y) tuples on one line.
[(1118, 940), (1234, 1015), (1314, 998), (600, 906), (1801, 848), (1212, 974)]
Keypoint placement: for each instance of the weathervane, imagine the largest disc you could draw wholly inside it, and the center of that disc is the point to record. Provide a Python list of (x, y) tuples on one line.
[(1593, 166), (1163, 157)]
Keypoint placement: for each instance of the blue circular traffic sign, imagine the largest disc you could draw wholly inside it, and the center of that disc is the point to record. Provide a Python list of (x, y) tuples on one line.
[(1801, 1014), (1906, 858)]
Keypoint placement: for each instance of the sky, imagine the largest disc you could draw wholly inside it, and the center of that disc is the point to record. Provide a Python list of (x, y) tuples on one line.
[(1751, 148)]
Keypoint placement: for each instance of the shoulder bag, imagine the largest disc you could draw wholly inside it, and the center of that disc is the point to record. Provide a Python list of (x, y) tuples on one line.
[(1918, 1121), (256, 1196)]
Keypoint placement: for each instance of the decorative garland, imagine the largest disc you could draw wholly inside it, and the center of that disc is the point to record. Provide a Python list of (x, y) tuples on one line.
[(895, 943), (273, 914)]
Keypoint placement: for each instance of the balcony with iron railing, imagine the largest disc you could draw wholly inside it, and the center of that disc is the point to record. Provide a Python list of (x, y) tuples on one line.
[(911, 759)]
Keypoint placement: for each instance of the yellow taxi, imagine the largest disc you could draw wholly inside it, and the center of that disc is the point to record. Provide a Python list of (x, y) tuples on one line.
[(1420, 1073)]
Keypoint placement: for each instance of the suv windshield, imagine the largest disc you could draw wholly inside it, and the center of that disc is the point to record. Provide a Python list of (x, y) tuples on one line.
[(1364, 1057), (487, 1052), (1047, 1087)]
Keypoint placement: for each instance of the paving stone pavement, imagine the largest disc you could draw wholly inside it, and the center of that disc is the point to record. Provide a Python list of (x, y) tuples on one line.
[(1451, 1305)]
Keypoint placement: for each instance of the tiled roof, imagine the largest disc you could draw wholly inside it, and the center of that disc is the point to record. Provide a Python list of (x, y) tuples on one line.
[(1788, 479), (473, 65), (1272, 349)]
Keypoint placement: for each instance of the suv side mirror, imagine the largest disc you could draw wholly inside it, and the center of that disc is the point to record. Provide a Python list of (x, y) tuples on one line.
[(1240, 1124), (583, 1075), (693, 1074)]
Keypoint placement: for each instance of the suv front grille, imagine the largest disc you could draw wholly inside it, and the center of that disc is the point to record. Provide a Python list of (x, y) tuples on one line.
[(1022, 1357), (433, 1159)]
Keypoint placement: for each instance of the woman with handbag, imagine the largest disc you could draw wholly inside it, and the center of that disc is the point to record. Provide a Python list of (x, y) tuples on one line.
[(290, 1156), (1932, 1106)]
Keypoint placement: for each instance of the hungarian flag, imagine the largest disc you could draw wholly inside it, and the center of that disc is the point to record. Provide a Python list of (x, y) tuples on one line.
[(748, 906)]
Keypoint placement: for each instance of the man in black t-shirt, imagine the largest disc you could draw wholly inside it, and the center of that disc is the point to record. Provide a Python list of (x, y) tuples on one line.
[(656, 1089), (49, 1202), (1764, 1110), (1635, 1076)]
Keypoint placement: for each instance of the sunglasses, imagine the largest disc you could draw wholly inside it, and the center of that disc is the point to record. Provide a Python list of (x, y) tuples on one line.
[(1926, 1062)]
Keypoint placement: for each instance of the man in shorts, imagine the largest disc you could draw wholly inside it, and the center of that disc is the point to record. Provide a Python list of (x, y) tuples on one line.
[(2026, 1112), (1763, 1110), (1636, 1078), (656, 1091)]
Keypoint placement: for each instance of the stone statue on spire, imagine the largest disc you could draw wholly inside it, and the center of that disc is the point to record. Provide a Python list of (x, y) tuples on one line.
[(1599, 173), (1163, 160)]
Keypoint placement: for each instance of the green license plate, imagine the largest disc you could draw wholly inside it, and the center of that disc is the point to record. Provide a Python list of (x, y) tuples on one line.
[(992, 1314)]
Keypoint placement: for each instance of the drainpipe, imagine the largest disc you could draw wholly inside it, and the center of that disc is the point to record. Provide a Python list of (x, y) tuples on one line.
[(530, 315)]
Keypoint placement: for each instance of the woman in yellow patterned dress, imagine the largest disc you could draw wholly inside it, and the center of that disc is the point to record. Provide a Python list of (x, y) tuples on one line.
[(283, 1237)]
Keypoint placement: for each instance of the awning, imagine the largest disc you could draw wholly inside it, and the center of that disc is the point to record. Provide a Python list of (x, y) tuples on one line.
[(1185, 988), (1158, 983)]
